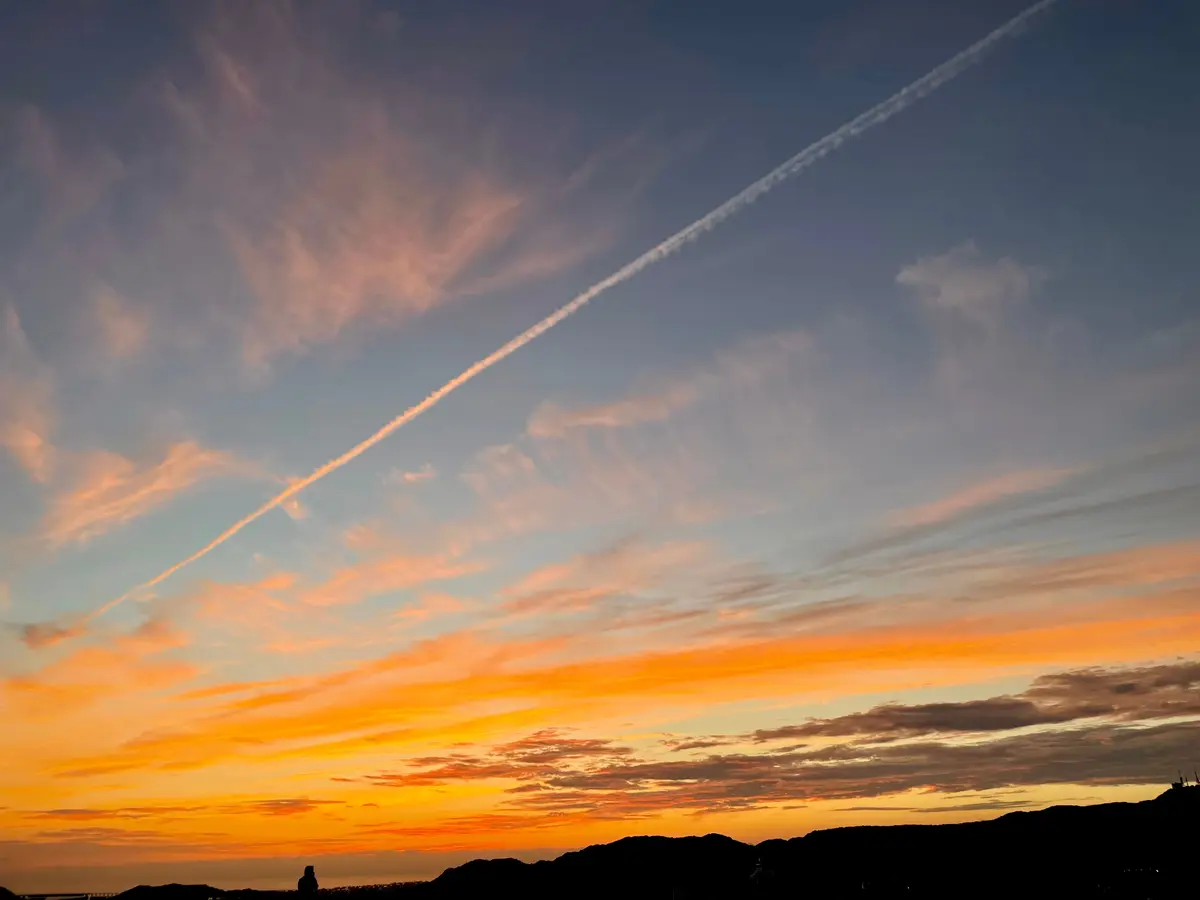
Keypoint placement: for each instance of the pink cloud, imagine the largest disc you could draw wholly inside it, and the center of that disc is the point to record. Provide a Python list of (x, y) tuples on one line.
[(27, 414), (339, 203), (552, 421), (627, 569), (981, 494), (367, 238), (110, 490), (121, 327)]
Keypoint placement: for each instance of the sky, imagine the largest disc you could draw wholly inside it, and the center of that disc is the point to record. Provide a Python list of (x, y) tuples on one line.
[(877, 502)]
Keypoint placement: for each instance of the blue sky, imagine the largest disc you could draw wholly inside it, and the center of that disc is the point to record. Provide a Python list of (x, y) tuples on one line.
[(936, 393)]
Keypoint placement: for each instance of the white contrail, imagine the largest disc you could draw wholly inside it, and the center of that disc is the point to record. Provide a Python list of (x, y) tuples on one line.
[(877, 115)]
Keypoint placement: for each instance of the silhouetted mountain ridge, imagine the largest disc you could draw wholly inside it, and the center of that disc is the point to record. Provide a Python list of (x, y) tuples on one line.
[(1104, 849), (1112, 850)]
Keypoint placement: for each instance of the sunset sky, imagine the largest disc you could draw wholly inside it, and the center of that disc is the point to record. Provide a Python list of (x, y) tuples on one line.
[(878, 502)]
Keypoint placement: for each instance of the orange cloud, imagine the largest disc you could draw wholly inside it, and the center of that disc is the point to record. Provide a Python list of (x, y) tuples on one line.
[(981, 494), (285, 612), (461, 688), (124, 666), (493, 686), (381, 573), (110, 490)]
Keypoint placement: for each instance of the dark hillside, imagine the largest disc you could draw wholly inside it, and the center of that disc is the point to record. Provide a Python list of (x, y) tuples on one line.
[(1115, 850)]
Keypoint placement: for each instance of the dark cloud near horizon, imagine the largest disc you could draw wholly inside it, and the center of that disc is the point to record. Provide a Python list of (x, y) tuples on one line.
[(679, 746), (1096, 727), (1105, 755), (541, 754), (1130, 694)]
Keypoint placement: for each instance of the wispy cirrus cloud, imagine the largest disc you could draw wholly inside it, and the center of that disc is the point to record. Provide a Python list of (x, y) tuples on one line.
[(659, 452), (795, 165), (110, 490), (626, 572), (336, 200), (979, 494), (354, 246), (287, 612), (122, 328), (750, 363), (381, 573), (73, 176), (550, 420), (27, 414)]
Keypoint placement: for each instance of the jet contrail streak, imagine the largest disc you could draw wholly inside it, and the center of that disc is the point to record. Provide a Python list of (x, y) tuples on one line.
[(877, 115)]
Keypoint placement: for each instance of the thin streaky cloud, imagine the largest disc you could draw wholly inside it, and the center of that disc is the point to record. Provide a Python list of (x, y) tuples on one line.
[(981, 494), (111, 490), (427, 472), (798, 163)]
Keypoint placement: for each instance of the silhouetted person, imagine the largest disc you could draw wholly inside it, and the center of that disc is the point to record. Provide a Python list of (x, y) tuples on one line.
[(308, 881)]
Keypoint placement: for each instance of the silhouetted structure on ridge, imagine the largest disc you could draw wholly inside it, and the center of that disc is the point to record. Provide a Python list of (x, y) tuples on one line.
[(308, 881)]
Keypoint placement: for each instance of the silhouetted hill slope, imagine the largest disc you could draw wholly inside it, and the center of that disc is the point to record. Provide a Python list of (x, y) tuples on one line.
[(1112, 850), (6, 894), (630, 867)]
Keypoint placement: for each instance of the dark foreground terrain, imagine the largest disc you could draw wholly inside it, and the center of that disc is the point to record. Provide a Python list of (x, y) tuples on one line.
[(1116, 850)]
